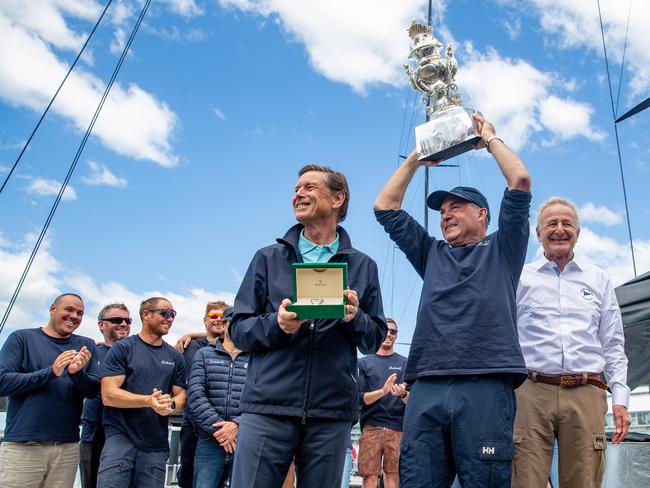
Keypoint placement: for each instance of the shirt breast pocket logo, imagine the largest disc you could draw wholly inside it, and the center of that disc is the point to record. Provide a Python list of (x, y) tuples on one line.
[(586, 294)]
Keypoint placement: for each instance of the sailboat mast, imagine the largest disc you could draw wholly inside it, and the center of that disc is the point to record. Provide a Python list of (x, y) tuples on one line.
[(426, 168)]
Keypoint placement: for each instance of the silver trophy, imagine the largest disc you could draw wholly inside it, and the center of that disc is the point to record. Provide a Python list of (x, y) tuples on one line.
[(450, 130)]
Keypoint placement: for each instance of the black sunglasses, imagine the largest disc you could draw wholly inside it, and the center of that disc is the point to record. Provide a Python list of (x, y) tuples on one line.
[(392, 331), (167, 313), (117, 320)]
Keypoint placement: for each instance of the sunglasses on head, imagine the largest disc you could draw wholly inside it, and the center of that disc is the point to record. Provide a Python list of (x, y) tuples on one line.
[(215, 315), (392, 331), (117, 320), (167, 313)]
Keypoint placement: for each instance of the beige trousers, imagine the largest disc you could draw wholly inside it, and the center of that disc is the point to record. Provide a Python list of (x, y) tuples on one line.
[(577, 417), (38, 464)]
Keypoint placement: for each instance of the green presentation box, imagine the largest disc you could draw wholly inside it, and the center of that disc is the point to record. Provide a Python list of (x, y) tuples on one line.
[(318, 290)]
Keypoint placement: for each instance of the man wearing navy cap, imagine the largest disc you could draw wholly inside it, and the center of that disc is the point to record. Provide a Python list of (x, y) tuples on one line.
[(465, 360)]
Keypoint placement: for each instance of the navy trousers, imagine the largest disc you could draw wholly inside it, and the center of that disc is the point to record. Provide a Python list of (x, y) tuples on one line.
[(458, 425), (122, 465), (266, 445)]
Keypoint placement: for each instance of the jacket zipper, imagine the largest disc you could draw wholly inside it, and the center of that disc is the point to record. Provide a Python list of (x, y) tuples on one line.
[(229, 391), (309, 365)]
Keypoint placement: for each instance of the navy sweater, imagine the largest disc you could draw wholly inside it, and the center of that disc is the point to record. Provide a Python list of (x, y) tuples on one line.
[(312, 373), (467, 317), (215, 387), (43, 407)]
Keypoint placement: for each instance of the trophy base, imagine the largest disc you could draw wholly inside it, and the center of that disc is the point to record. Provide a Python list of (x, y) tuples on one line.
[(450, 133)]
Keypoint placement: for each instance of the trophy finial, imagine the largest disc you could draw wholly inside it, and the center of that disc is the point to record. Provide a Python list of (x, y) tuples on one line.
[(417, 29)]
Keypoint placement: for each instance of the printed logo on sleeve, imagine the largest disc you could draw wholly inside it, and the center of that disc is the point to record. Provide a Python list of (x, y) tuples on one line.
[(168, 363)]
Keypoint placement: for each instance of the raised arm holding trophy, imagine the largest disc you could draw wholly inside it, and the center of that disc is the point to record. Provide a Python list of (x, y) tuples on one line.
[(465, 360)]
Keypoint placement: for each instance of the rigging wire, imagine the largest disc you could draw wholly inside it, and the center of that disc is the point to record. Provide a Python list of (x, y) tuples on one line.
[(73, 166), (38, 124), (620, 77), (618, 144)]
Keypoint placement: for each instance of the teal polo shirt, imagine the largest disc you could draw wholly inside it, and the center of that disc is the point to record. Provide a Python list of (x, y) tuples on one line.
[(313, 253)]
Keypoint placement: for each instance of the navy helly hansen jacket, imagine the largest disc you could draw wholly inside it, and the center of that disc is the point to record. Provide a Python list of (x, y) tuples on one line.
[(215, 387), (312, 373)]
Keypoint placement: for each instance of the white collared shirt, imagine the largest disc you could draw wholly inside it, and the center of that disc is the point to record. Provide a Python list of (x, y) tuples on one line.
[(570, 322)]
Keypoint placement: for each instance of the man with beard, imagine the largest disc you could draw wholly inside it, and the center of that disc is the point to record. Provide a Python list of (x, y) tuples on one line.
[(189, 344), (383, 396), (43, 372), (114, 322), (143, 382), (301, 394)]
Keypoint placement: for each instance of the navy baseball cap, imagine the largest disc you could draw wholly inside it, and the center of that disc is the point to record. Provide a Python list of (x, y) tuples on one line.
[(464, 192)]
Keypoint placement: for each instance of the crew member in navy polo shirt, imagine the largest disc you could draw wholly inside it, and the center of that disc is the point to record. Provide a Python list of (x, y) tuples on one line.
[(465, 360), (189, 344), (383, 396), (143, 382), (43, 372), (114, 322), (301, 393)]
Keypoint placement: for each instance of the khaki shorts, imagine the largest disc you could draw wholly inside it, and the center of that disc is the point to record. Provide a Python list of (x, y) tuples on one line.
[(375, 442)]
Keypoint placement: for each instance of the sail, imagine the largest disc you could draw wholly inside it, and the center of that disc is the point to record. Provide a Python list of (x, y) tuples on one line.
[(634, 300)]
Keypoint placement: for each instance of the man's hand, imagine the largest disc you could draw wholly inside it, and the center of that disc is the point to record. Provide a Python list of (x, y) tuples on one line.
[(622, 421), (352, 306), (398, 390), (226, 436), (183, 342), (390, 383), (79, 361), (62, 361), (287, 320), (483, 128), (160, 403)]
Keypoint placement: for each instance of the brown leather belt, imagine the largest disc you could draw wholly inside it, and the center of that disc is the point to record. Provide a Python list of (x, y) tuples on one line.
[(568, 380)]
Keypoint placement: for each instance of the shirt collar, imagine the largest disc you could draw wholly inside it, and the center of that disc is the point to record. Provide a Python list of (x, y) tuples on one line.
[(305, 245), (543, 262)]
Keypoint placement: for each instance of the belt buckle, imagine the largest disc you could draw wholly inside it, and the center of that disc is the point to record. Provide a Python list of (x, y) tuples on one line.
[(566, 381)]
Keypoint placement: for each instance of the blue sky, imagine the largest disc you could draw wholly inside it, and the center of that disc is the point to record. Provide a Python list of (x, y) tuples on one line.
[(192, 163)]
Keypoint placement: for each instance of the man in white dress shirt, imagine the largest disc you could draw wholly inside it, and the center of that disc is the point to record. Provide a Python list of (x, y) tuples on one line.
[(570, 331)]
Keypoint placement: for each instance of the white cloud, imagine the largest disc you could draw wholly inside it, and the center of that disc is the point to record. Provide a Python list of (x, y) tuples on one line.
[(602, 215), (101, 175), (216, 111), (185, 8), (46, 19), (44, 187), (345, 44), (576, 25), (524, 104), (49, 277), (360, 43), (133, 122), (513, 28), (567, 119)]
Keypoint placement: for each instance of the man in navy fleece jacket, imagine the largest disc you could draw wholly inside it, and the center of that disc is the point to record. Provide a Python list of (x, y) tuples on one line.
[(43, 372), (465, 360)]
